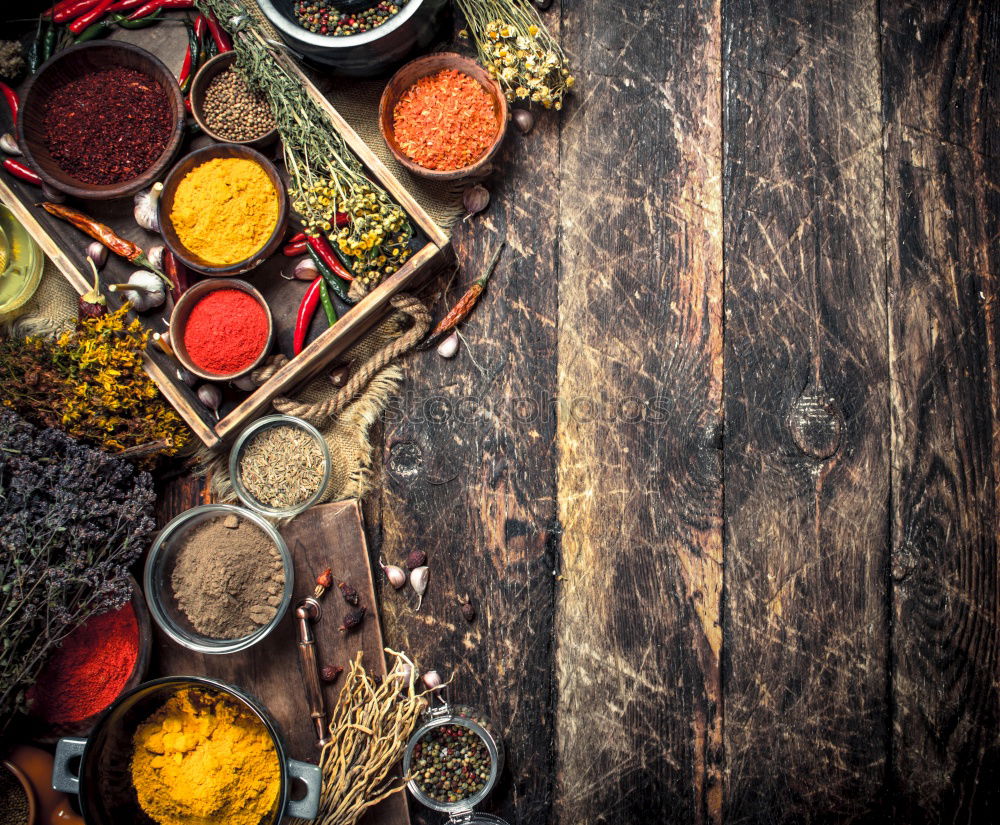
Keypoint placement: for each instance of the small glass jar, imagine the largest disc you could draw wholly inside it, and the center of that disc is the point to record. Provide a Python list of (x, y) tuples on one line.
[(463, 810), (244, 440)]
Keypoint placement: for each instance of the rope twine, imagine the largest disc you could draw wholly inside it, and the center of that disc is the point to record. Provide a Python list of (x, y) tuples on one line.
[(330, 407)]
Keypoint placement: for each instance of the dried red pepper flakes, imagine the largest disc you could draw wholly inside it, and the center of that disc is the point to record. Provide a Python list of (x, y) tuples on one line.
[(445, 121)]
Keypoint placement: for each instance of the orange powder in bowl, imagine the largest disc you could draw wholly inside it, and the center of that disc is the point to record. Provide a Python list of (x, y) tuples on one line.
[(445, 121)]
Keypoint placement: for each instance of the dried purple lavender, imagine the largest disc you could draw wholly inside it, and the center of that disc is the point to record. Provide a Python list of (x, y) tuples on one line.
[(72, 520)]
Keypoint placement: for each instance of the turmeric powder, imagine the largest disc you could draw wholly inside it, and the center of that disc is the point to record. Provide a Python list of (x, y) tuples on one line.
[(201, 759), (225, 210)]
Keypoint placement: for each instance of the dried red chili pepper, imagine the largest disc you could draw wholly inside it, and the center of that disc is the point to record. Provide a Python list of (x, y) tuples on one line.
[(307, 309), (464, 306), (100, 232), (19, 170)]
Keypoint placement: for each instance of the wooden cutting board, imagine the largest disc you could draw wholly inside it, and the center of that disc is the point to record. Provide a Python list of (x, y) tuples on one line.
[(330, 535)]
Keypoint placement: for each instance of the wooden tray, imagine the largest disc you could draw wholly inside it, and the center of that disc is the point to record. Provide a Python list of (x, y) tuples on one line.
[(330, 535), (65, 246)]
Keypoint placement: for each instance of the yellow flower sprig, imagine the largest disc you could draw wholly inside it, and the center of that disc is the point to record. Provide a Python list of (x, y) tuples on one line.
[(517, 49)]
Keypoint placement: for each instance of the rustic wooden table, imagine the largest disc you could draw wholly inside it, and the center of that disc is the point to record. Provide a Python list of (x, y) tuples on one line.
[(719, 466)]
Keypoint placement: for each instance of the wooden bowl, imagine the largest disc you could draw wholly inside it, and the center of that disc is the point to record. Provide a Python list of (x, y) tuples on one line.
[(35, 766), (26, 786), (206, 74), (182, 311), (71, 63), (166, 204), (53, 731), (422, 67)]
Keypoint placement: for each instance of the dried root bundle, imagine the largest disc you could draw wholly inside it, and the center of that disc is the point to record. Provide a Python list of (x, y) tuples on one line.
[(369, 728)]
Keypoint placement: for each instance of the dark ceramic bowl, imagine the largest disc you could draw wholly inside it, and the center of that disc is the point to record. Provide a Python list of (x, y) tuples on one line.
[(71, 63), (206, 74), (423, 67), (369, 53), (166, 204)]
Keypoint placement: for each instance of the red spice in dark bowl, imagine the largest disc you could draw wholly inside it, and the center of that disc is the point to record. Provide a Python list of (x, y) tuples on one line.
[(107, 126), (90, 670)]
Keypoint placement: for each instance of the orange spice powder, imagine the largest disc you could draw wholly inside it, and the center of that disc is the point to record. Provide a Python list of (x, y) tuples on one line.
[(445, 121)]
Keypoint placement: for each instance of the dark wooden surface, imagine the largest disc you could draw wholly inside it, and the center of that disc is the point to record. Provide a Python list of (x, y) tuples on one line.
[(719, 465)]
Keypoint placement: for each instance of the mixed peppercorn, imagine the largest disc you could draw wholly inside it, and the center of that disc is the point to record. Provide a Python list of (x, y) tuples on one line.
[(323, 17), (451, 763)]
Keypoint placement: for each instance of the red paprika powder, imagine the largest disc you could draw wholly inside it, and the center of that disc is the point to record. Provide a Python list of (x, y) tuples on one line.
[(226, 331), (91, 668)]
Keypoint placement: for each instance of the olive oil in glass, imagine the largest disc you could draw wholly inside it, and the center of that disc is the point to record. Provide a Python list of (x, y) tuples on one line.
[(21, 263)]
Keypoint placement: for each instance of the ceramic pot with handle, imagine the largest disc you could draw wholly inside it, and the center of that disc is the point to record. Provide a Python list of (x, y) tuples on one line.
[(98, 768)]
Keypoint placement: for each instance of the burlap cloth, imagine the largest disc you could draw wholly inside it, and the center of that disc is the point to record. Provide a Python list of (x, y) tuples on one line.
[(53, 308)]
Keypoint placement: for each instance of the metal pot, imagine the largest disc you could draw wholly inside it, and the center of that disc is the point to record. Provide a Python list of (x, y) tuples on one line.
[(369, 53), (98, 768)]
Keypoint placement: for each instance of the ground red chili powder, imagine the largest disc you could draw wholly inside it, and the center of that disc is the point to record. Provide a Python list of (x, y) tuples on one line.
[(91, 668), (107, 126), (226, 331), (445, 121)]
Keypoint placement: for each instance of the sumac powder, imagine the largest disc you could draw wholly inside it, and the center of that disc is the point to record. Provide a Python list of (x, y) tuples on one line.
[(226, 331), (91, 668), (107, 126)]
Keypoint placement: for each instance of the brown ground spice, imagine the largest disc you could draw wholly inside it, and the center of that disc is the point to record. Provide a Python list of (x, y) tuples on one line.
[(228, 579)]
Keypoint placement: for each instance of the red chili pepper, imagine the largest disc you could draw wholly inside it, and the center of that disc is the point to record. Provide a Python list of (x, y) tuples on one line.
[(92, 16), (219, 35), (13, 101), (19, 170), (298, 236), (185, 70), (200, 24), (325, 251), (153, 5), (307, 309), (342, 219), (68, 10), (176, 272), (293, 249)]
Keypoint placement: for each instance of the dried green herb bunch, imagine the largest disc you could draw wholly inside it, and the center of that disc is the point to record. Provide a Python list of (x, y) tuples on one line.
[(90, 383), (325, 175), (518, 50), (72, 520)]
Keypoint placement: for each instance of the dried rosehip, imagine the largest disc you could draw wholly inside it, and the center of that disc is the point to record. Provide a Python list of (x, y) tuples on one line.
[(349, 593), (417, 558), (468, 612), (352, 619), (330, 673), (325, 579)]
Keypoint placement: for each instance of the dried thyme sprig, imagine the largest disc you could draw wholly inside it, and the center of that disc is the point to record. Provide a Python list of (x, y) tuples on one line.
[(326, 176), (518, 50), (369, 728)]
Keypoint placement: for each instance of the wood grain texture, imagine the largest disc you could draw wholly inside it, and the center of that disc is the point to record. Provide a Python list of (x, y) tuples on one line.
[(942, 144), (640, 391), (806, 448), (469, 476)]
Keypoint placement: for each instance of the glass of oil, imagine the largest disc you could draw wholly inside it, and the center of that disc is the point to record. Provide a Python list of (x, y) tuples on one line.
[(21, 264)]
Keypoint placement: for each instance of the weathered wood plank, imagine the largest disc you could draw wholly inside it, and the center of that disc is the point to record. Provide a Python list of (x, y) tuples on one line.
[(942, 104), (806, 450), (640, 390), (469, 477)]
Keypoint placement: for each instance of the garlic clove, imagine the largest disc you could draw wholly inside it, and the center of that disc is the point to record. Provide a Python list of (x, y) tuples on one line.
[(211, 396), (475, 199), (395, 575), (431, 679), (9, 145), (98, 253), (245, 383), (155, 256), (448, 348), (418, 581), (145, 208)]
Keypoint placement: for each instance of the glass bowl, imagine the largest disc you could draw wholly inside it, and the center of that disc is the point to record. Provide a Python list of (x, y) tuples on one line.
[(162, 603), (236, 455)]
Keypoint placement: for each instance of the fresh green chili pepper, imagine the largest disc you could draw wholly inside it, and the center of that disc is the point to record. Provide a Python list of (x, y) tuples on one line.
[(337, 285), (93, 32), (324, 299), (35, 49), (49, 43), (142, 23)]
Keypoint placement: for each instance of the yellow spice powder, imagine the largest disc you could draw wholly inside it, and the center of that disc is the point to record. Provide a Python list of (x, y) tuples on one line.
[(225, 210), (203, 759)]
